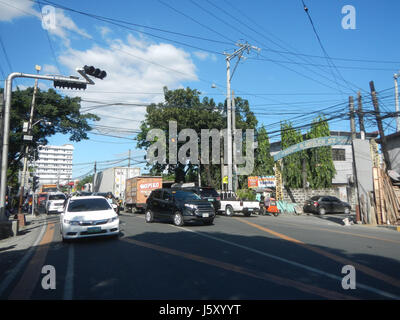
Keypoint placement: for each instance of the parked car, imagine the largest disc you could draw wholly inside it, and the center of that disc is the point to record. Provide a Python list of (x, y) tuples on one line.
[(55, 202), (179, 206), (89, 216), (206, 193), (326, 204)]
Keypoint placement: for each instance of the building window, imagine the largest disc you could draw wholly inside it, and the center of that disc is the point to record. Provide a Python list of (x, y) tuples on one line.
[(338, 154)]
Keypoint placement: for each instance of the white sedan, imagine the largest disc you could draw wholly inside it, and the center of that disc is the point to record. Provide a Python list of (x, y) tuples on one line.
[(89, 216)]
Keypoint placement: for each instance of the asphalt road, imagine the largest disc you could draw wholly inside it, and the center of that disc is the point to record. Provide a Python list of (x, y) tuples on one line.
[(257, 257)]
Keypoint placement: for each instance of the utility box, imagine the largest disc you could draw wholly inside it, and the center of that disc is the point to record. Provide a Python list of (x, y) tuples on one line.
[(138, 190)]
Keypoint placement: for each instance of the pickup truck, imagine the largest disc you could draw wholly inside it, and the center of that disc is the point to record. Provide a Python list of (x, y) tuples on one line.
[(231, 206)]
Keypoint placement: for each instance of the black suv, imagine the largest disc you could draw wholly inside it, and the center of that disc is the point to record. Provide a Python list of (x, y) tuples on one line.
[(178, 206), (207, 193)]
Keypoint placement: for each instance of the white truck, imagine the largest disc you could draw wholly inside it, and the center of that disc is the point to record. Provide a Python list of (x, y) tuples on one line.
[(113, 180), (230, 206)]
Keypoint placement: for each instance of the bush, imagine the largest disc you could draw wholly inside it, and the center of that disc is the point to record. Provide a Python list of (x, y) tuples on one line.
[(246, 194)]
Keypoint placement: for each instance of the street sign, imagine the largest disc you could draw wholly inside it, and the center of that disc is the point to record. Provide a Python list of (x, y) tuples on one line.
[(25, 127), (28, 138), (313, 143)]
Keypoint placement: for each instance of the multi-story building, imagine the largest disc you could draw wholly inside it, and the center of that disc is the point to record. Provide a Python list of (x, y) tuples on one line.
[(54, 164)]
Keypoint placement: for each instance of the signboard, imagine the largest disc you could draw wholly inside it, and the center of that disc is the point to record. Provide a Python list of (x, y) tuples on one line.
[(261, 182), (252, 182), (225, 180), (27, 138), (267, 182), (313, 143)]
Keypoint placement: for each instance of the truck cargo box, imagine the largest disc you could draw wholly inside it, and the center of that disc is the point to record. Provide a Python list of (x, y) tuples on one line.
[(138, 189)]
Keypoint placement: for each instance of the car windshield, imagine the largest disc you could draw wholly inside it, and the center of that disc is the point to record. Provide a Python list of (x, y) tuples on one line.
[(185, 195), (57, 197), (79, 205), (209, 192)]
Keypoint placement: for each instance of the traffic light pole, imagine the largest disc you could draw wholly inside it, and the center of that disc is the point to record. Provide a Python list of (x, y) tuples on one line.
[(6, 124)]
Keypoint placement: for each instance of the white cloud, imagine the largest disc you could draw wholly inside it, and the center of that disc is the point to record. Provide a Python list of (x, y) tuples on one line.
[(64, 26), (130, 76), (201, 55), (104, 31), (16, 9), (56, 22), (50, 69)]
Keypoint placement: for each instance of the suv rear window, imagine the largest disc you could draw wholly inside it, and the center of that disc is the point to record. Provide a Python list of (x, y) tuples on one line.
[(79, 205), (185, 195), (57, 197), (156, 194), (208, 192)]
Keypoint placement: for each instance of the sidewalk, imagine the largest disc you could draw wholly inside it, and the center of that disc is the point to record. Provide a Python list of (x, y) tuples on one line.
[(13, 249)]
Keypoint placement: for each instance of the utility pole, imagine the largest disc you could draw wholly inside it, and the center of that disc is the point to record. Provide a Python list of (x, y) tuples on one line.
[(237, 54), (29, 132), (353, 137), (1, 122), (94, 176), (235, 178), (380, 126), (352, 120), (396, 98), (360, 116)]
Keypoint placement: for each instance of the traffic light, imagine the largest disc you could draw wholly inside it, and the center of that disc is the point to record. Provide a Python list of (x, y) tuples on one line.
[(69, 85), (95, 72), (35, 182)]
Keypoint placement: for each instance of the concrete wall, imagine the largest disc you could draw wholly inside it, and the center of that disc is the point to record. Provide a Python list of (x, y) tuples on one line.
[(344, 169), (299, 196), (393, 146)]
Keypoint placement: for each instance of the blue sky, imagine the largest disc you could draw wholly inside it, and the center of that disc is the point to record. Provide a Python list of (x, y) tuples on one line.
[(288, 79)]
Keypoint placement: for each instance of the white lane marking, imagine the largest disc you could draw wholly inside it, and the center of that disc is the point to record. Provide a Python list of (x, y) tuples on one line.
[(11, 276), (69, 277), (300, 265)]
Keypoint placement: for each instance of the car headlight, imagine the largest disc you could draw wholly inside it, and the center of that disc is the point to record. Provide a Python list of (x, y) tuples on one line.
[(72, 222), (191, 206), (112, 219)]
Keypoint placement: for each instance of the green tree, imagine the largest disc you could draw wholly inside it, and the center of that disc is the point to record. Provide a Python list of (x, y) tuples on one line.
[(63, 113), (81, 183), (263, 162), (292, 164), (185, 107), (320, 168)]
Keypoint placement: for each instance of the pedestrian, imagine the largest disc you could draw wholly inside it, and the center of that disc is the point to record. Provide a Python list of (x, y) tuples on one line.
[(8, 207)]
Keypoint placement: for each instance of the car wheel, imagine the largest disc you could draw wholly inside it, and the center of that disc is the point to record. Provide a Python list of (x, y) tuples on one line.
[(178, 219), (149, 217), (229, 211), (247, 214), (346, 210), (321, 211)]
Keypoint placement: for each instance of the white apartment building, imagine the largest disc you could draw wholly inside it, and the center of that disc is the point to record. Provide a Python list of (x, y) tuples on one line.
[(54, 164)]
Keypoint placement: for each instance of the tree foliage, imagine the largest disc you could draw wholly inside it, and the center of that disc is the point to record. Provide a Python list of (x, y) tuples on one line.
[(292, 164), (185, 107), (320, 168), (263, 162), (63, 113)]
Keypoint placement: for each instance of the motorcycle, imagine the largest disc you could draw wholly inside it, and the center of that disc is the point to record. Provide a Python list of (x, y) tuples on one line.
[(271, 209)]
